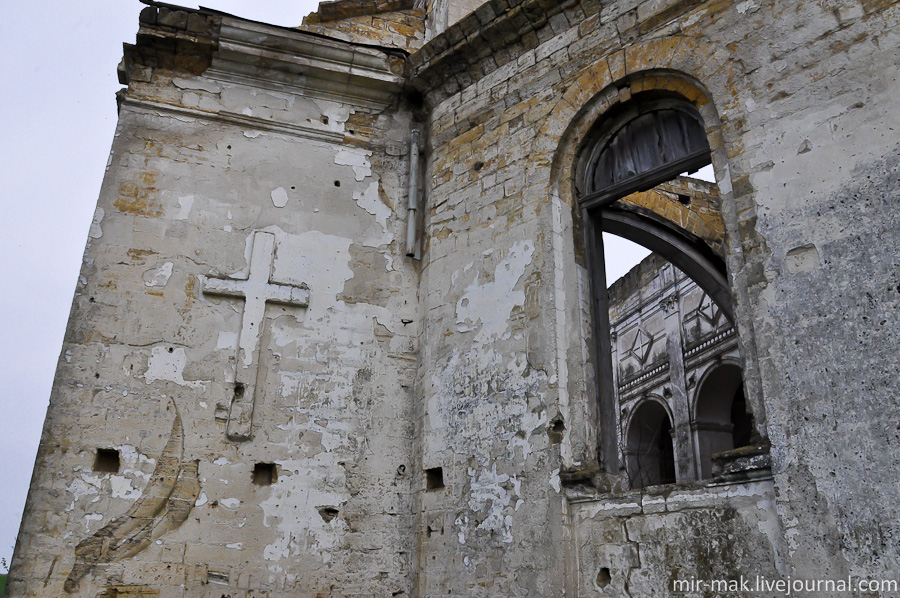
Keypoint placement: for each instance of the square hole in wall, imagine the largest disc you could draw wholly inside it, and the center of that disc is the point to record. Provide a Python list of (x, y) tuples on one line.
[(264, 474), (107, 461), (434, 478)]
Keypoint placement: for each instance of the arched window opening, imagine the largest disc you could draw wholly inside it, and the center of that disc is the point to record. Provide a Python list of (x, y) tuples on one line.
[(658, 326), (639, 145), (649, 452), (721, 421)]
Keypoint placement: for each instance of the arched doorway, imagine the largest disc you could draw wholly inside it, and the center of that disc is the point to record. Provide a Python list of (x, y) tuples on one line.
[(649, 451), (721, 421)]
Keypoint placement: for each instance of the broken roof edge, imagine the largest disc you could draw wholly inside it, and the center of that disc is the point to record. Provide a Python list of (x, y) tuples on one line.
[(335, 10), (626, 285), (202, 42), (210, 12)]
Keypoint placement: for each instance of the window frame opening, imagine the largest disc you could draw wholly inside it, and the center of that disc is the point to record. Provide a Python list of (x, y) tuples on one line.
[(602, 212)]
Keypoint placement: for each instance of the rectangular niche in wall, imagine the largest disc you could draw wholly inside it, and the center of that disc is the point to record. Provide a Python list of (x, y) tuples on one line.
[(107, 461), (265, 474), (434, 478)]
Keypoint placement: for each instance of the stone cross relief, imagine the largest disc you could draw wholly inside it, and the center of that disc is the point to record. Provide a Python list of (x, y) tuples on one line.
[(256, 290)]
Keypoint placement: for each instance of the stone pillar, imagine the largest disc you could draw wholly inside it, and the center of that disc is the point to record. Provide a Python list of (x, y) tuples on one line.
[(685, 465), (614, 359)]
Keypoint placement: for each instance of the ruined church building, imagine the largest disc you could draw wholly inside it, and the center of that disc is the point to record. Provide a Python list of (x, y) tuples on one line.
[(343, 327)]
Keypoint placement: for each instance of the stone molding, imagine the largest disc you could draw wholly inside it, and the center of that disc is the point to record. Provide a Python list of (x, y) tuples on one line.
[(229, 48), (241, 120)]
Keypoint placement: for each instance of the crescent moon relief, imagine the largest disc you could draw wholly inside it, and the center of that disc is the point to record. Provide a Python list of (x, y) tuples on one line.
[(168, 499)]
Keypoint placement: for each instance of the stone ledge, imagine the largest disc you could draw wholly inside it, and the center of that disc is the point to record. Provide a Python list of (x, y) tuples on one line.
[(666, 497), (743, 464), (733, 472)]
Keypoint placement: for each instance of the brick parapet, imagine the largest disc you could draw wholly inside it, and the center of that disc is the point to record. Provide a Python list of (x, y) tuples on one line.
[(339, 10), (404, 30)]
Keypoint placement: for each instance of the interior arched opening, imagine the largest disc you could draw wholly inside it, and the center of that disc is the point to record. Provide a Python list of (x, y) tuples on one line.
[(671, 313), (683, 250), (649, 450), (721, 420)]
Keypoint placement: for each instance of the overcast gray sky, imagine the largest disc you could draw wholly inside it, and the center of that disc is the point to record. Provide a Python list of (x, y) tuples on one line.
[(58, 67)]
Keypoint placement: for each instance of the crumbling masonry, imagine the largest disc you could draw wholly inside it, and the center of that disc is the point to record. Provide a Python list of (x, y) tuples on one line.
[(340, 328)]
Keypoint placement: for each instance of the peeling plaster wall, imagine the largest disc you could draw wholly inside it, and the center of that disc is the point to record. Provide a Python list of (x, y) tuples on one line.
[(187, 188), (489, 377)]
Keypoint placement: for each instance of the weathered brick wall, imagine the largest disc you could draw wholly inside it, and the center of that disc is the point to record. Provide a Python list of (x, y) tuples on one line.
[(797, 101), (399, 24)]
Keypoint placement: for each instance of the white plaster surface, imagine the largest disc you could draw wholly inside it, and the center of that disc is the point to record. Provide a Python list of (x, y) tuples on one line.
[(279, 197), (167, 364), (159, 277), (357, 159), (490, 303)]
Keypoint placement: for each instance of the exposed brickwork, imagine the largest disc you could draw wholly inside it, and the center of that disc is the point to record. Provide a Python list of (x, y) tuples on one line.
[(402, 29), (171, 40), (690, 204), (339, 10)]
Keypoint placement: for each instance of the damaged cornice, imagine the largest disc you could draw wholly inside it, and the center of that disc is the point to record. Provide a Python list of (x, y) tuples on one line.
[(225, 47)]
